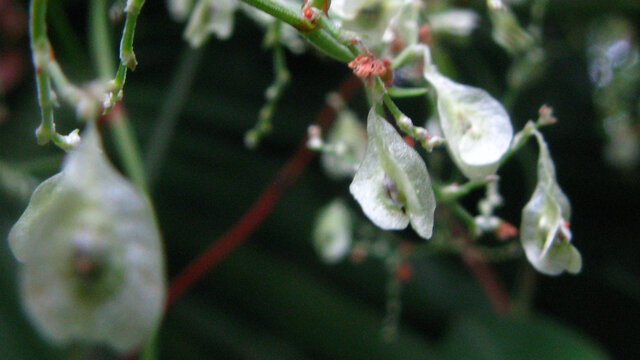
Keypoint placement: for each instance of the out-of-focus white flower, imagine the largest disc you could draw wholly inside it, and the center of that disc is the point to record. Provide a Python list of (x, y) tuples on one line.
[(370, 19), (90, 253), (332, 234), (348, 140), (210, 17), (180, 9), (457, 22)]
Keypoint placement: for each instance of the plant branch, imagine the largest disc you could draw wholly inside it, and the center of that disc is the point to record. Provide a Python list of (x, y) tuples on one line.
[(124, 138), (127, 56), (325, 40)]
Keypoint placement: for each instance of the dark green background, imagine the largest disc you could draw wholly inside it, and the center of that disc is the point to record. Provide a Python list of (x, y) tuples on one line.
[(272, 298)]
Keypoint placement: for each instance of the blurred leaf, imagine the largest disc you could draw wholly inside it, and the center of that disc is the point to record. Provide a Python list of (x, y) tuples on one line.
[(483, 336)]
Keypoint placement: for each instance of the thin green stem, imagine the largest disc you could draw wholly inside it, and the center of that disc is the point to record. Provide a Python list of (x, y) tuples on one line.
[(129, 150), (168, 116), (397, 92), (274, 92), (326, 40), (325, 23), (100, 38), (451, 193), (284, 12), (41, 48), (124, 138), (127, 56)]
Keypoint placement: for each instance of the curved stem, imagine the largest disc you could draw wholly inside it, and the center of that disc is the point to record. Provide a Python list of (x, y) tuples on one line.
[(40, 49), (124, 139)]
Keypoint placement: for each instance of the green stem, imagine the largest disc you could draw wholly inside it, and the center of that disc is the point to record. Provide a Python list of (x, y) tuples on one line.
[(326, 40), (274, 91), (100, 38), (41, 48), (127, 56), (124, 139), (129, 150), (283, 12), (168, 116)]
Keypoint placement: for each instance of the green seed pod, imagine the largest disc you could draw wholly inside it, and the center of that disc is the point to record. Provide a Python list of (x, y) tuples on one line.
[(91, 256)]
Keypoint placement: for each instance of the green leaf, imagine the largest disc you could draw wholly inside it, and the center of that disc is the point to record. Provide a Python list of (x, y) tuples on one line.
[(479, 337)]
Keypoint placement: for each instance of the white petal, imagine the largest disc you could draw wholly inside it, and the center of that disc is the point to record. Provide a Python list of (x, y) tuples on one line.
[(332, 232), (543, 233), (476, 126), (389, 158)]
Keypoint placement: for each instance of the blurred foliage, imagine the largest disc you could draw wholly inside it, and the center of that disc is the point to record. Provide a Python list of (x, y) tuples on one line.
[(272, 298)]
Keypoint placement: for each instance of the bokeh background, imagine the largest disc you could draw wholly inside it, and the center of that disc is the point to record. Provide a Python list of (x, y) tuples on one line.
[(273, 298)]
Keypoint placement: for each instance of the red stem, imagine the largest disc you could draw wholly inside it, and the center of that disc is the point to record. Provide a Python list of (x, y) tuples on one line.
[(492, 286), (259, 210)]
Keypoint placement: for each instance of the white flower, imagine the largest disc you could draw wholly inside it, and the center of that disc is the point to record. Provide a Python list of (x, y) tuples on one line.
[(476, 126), (457, 22), (210, 17), (332, 233), (90, 253), (348, 139), (545, 233), (392, 184), (369, 19)]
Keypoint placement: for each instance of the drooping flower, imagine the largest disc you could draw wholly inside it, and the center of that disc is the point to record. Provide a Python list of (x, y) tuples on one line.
[(392, 184), (545, 233), (90, 254), (456, 22), (370, 19), (348, 139), (476, 126)]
